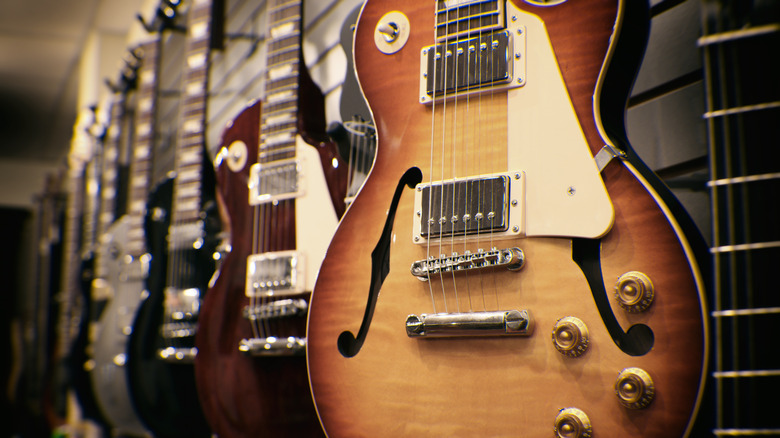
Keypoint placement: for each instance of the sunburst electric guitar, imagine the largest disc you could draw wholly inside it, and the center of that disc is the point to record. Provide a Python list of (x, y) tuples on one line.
[(281, 185), (506, 269)]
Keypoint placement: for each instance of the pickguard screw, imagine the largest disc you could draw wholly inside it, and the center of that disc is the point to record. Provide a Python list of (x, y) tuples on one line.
[(416, 238), (419, 213), (516, 229), (571, 191), (514, 17), (517, 56), (514, 203), (517, 176), (519, 31)]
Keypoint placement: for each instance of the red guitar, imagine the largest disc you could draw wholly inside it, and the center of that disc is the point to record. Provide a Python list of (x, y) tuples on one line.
[(281, 187), (509, 268)]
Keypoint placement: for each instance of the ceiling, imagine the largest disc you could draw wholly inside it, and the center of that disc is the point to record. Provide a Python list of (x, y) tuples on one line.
[(40, 46)]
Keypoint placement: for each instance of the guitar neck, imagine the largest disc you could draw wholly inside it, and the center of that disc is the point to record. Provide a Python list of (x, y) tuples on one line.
[(191, 132), (743, 105), (141, 157), (110, 160), (280, 107)]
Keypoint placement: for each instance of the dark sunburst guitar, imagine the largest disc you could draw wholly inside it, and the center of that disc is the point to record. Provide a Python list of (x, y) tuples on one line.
[(281, 187), (510, 267)]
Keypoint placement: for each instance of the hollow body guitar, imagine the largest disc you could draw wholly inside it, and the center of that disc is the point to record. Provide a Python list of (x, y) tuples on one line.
[(281, 187), (514, 233)]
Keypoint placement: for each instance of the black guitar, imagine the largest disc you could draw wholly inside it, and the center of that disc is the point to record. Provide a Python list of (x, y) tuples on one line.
[(180, 229)]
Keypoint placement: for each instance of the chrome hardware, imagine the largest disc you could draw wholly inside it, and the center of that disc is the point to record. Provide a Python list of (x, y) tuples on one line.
[(391, 32), (273, 346), (275, 181), (634, 388), (275, 273), (487, 62), (606, 154), (276, 309), (634, 292), (498, 323), (570, 336), (178, 355), (462, 208), (236, 156), (509, 258), (185, 235), (572, 423), (178, 330)]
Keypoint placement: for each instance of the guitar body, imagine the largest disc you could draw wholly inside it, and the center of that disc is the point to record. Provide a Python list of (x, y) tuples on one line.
[(164, 393), (244, 396), (386, 383), (124, 284)]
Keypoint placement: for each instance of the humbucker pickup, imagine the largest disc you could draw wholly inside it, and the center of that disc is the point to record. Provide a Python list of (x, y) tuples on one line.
[(488, 205), (275, 274), (275, 181), (484, 63)]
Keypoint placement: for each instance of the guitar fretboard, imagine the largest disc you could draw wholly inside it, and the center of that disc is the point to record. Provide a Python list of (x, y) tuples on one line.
[(280, 106), (743, 106), (190, 138), (141, 155)]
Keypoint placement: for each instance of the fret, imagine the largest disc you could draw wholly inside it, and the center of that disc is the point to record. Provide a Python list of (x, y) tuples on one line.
[(277, 154), (745, 373), (746, 432), (744, 247), (284, 54), (455, 18), (743, 179), (283, 118), (741, 110), (722, 37), (746, 312)]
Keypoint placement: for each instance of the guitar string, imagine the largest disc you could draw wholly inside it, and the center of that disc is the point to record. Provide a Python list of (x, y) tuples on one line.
[(430, 174)]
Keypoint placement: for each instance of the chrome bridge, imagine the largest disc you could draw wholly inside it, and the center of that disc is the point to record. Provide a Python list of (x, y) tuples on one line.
[(495, 323), (273, 346), (509, 258), (276, 309)]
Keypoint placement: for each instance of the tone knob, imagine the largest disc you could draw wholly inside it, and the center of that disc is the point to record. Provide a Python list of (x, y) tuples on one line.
[(634, 292), (634, 388), (570, 336), (572, 423)]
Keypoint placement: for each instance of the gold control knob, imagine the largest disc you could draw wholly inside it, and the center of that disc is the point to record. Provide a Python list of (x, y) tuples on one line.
[(572, 423), (634, 388), (570, 336), (634, 292)]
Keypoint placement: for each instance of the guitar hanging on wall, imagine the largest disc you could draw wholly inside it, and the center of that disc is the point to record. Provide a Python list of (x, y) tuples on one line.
[(123, 260), (281, 185), (475, 302), (180, 227)]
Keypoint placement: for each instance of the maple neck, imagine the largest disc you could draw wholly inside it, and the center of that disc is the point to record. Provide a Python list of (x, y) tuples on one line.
[(743, 106), (143, 142), (280, 106), (109, 172), (191, 133)]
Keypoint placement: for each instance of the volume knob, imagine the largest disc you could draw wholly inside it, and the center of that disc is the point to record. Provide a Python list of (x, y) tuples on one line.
[(634, 292), (570, 336), (572, 423), (634, 388)]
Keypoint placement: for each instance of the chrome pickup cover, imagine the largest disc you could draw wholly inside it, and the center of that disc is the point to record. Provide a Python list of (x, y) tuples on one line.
[(275, 273), (509, 258), (497, 323), (275, 181), (185, 235), (477, 207), (485, 63)]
